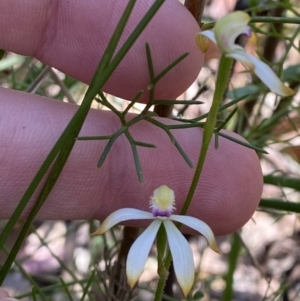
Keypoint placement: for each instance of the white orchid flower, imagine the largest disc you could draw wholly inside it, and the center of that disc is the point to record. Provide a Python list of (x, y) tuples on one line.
[(162, 204), (227, 29)]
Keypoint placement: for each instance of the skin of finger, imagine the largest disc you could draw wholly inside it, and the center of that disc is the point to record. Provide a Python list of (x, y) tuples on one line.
[(7, 298), (227, 195), (4, 296), (72, 35)]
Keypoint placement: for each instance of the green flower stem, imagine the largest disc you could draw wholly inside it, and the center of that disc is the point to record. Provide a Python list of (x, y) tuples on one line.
[(209, 128), (224, 72), (161, 244), (164, 260), (232, 263), (163, 276)]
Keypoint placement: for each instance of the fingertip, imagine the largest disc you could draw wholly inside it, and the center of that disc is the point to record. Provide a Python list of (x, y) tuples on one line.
[(170, 34), (72, 36), (232, 188), (3, 293)]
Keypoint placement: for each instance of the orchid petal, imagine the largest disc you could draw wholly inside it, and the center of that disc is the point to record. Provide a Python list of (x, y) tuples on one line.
[(199, 226), (121, 215), (228, 28), (201, 39), (209, 34), (263, 71), (182, 257), (139, 252)]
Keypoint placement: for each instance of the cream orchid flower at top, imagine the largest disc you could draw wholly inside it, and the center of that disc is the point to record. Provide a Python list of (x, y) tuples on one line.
[(227, 29), (162, 204)]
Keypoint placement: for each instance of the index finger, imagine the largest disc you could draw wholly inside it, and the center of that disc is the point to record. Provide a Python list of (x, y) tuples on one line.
[(72, 35)]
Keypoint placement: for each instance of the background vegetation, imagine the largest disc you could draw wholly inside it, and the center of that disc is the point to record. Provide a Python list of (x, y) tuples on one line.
[(58, 260)]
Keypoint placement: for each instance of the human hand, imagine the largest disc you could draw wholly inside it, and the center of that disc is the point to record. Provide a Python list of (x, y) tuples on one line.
[(71, 36)]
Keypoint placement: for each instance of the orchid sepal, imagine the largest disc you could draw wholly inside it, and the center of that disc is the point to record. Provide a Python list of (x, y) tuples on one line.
[(139, 252), (119, 216), (262, 71), (200, 227), (182, 257)]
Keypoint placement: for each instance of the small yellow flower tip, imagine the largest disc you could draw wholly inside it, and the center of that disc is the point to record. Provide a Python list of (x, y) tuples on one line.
[(262, 71), (213, 245), (131, 282), (100, 231), (286, 91), (162, 202), (185, 290), (202, 42)]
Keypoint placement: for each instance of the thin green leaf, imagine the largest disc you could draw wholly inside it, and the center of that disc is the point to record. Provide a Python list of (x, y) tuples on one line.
[(86, 138), (144, 144), (275, 20), (248, 145), (86, 288), (33, 291), (135, 157), (2, 53), (172, 138), (223, 107), (66, 289), (171, 66), (177, 102), (150, 63), (282, 181), (280, 205), (227, 119), (132, 103), (109, 145)]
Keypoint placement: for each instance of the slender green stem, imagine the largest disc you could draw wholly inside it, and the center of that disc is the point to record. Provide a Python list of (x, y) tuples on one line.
[(164, 261), (162, 280), (232, 263), (209, 128)]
